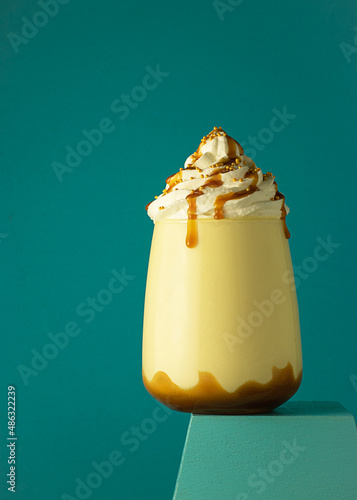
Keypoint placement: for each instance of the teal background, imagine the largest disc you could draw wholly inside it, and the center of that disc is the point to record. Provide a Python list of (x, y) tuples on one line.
[(60, 240)]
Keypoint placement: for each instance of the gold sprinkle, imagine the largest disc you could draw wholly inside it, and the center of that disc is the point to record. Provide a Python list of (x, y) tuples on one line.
[(234, 179), (191, 178), (202, 176), (161, 208), (156, 197), (206, 175), (181, 168), (248, 189), (240, 180)]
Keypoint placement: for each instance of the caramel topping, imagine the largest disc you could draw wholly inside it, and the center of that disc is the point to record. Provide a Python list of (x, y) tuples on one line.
[(213, 181), (173, 180), (191, 235), (232, 143), (222, 199), (279, 196), (252, 174), (209, 397)]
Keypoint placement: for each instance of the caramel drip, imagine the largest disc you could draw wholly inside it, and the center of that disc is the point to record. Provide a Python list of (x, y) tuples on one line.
[(173, 180), (209, 397), (191, 235), (280, 196), (222, 199), (254, 176), (214, 180), (232, 143)]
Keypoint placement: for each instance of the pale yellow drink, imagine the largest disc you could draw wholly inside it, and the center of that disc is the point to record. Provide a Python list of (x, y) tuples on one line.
[(221, 326)]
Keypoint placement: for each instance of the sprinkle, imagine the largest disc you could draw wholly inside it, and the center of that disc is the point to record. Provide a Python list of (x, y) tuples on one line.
[(248, 189), (202, 176), (192, 191), (240, 180), (181, 168), (234, 179), (191, 178), (161, 208), (156, 197)]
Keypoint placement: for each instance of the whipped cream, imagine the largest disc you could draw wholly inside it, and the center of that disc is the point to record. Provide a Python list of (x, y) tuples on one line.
[(218, 181)]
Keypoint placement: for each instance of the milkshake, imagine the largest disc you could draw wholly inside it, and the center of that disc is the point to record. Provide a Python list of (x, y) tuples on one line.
[(221, 326)]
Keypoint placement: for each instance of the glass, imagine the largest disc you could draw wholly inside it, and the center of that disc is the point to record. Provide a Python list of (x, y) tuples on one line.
[(221, 323)]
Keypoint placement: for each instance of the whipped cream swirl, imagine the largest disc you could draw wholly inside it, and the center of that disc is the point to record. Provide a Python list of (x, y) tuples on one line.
[(218, 181)]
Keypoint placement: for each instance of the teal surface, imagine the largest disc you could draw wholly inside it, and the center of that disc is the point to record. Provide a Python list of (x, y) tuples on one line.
[(302, 451), (232, 63)]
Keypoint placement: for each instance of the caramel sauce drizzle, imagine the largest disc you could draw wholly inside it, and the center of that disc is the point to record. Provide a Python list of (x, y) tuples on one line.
[(214, 180), (191, 235), (173, 180), (280, 196), (232, 143), (222, 199)]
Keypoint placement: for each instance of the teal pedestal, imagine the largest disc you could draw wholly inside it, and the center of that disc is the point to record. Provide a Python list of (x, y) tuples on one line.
[(301, 451)]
